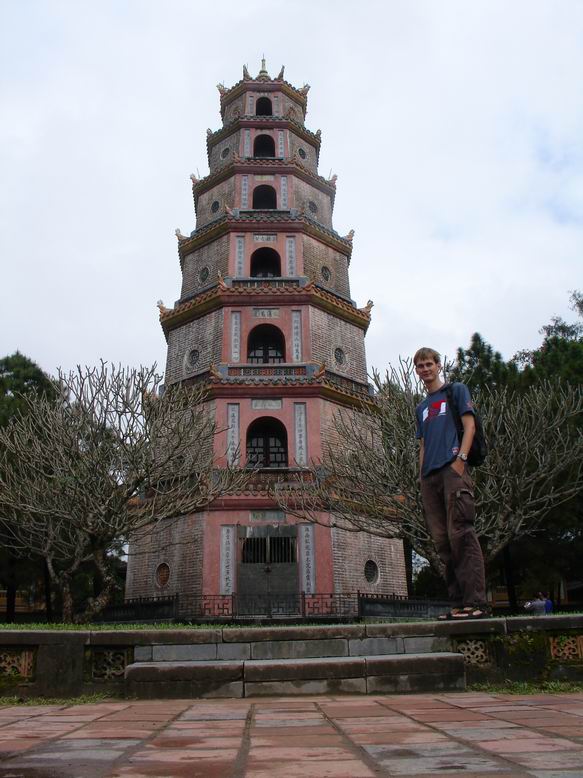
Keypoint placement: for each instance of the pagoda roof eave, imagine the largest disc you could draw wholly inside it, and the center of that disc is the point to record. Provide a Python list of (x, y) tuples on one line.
[(222, 295), (282, 122), (219, 387), (263, 220), (273, 85), (287, 165)]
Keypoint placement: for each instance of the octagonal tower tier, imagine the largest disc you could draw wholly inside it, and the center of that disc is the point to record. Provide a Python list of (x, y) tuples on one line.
[(266, 320)]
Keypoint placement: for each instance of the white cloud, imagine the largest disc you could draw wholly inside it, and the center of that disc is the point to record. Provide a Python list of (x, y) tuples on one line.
[(455, 129)]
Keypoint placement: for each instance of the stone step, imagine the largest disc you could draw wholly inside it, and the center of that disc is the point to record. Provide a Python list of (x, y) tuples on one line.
[(293, 648), (366, 674)]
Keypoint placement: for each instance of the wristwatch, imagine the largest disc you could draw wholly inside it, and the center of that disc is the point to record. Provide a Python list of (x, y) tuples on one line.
[(463, 457)]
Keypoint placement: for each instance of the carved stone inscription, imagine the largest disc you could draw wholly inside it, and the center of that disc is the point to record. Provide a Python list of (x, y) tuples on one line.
[(235, 336), (266, 405), (266, 313), (300, 430), (307, 568), (266, 515), (290, 255), (244, 191), (228, 545), (233, 433), (265, 238), (297, 336), (240, 256)]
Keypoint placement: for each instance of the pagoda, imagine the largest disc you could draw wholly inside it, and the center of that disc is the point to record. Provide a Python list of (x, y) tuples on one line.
[(265, 319)]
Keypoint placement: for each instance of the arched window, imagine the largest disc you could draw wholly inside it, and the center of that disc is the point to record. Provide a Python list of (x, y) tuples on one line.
[(263, 107), (267, 443), (264, 146), (264, 197), (265, 263), (265, 346)]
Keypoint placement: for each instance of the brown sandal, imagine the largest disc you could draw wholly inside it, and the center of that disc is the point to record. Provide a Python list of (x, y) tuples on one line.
[(452, 614), (471, 613)]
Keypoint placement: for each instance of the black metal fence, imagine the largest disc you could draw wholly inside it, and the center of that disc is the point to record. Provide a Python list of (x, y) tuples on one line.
[(298, 607), (142, 609)]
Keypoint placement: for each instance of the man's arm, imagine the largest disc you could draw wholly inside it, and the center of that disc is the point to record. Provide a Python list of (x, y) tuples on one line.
[(469, 425)]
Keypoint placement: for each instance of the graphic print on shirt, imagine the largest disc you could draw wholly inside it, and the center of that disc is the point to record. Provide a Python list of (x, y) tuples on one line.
[(437, 408)]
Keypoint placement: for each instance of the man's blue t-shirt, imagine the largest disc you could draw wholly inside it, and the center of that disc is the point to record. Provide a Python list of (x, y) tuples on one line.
[(436, 425)]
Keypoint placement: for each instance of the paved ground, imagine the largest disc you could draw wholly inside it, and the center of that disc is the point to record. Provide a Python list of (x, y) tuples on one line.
[(334, 737)]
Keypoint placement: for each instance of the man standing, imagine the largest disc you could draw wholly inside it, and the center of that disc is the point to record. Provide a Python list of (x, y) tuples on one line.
[(447, 489)]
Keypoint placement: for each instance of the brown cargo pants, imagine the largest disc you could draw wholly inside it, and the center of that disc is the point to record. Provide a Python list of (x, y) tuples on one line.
[(448, 500)]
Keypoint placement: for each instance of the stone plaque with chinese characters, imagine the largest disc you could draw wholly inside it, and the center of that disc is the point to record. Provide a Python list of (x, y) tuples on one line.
[(235, 336), (266, 405), (228, 556), (266, 515), (306, 548), (300, 430), (233, 433), (297, 336), (264, 238), (266, 313)]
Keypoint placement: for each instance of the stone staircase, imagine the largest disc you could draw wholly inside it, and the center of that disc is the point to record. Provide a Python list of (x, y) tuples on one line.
[(251, 662)]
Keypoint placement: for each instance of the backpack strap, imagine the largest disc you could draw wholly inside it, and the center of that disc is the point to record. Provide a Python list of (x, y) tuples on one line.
[(448, 388)]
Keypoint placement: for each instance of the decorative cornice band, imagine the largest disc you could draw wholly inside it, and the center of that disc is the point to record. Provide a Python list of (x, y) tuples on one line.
[(219, 297)]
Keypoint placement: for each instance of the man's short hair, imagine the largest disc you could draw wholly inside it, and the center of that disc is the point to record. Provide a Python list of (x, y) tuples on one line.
[(427, 353)]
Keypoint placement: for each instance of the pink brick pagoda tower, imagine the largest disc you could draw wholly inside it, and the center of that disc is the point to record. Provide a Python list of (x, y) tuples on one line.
[(266, 320)]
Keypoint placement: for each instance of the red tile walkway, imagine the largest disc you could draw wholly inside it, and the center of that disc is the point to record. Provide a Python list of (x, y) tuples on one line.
[(317, 737)]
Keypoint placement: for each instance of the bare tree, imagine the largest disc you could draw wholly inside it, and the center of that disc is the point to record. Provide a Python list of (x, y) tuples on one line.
[(104, 462), (369, 481)]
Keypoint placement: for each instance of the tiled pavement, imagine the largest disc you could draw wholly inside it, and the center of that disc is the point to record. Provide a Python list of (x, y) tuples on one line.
[(318, 737)]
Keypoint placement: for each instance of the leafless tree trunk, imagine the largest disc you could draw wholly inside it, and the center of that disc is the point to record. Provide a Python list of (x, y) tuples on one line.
[(108, 460)]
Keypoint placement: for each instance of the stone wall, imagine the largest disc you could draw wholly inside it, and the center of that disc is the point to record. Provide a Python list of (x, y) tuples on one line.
[(223, 194), (316, 204), (318, 256), (177, 543), (216, 158), (329, 333), (214, 258), (205, 336), (297, 145), (351, 552)]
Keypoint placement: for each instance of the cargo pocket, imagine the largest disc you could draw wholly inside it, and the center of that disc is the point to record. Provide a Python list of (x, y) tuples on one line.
[(464, 509)]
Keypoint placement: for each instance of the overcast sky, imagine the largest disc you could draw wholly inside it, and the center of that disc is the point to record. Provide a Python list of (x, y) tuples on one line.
[(455, 128)]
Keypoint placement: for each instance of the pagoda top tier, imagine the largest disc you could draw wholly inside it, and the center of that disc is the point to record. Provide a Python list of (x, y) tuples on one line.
[(263, 83)]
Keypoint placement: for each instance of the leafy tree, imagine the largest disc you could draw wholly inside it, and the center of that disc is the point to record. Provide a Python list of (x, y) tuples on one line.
[(100, 464)]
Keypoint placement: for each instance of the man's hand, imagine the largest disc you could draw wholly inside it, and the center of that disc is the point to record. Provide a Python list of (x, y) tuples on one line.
[(458, 466)]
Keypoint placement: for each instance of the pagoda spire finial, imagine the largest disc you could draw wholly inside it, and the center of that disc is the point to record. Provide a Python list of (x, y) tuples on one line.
[(263, 74)]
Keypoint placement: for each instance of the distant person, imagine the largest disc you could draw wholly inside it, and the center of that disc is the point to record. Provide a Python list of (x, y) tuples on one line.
[(548, 602), (537, 605), (447, 489)]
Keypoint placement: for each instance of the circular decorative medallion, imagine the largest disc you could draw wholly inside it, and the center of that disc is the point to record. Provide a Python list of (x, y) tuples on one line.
[(326, 273), (225, 152), (215, 206), (302, 153), (204, 275), (162, 574), (312, 206), (193, 357), (371, 571), (339, 356)]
